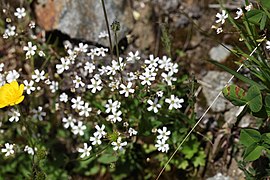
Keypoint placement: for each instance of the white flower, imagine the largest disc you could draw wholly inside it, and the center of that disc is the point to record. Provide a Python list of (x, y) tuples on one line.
[(147, 77), (118, 145), (68, 122), (133, 57), (10, 31), (174, 102), (31, 50), (221, 17), (65, 62), (29, 150), (159, 94), (63, 97), (126, 89), (111, 70), (115, 117), (154, 106), (77, 103), (95, 86), (85, 150), (95, 140), (101, 51), (89, 67), (72, 56), (41, 54), (172, 67), (8, 149), (1, 66), (164, 62), (29, 86), (78, 82), (103, 34), (100, 131), (163, 133), (249, 7), (12, 75), (85, 110), (15, 115), (267, 45), (219, 30), (39, 114), (132, 132), (79, 128), (38, 76), (54, 86), (102, 70), (82, 48), (20, 13), (112, 106), (162, 146), (168, 78), (152, 61), (239, 13)]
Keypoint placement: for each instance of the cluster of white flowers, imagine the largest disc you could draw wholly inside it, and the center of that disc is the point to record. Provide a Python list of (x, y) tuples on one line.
[(162, 138)]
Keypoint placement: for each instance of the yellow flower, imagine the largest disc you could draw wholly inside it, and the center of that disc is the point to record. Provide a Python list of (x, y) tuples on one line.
[(11, 94)]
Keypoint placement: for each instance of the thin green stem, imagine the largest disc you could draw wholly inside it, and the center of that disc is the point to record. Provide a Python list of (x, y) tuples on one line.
[(108, 27)]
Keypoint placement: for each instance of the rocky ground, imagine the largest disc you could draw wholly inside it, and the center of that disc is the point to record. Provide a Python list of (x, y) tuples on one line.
[(193, 44)]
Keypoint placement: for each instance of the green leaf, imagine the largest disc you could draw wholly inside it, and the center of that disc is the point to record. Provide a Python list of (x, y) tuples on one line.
[(189, 150), (238, 75), (267, 104), (254, 99), (254, 16), (253, 152), (265, 3), (107, 158), (200, 159), (183, 164), (234, 94), (249, 136), (263, 21), (266, 138)]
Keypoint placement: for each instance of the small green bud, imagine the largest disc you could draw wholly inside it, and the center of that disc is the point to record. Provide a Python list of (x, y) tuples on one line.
[(115, 26)]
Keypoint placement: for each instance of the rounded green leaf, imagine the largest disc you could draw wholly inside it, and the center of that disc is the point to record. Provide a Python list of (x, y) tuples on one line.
[(249, 136), (254, 99), (253, 152)]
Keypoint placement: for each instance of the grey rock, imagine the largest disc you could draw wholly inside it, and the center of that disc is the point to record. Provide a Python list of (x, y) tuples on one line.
[(214, 82), (219, 176), (82, 19), (220, 53)]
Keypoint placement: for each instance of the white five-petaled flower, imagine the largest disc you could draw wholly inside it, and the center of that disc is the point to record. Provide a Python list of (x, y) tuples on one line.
[(89, 67), (85, 150), (126, 89), (8, 149), (132, 132), (115, 116), (133, 57), (78, 82), (30, 49), (12, 75), (63, 97), (163, 133), (29, 150), (162, 146), (29, 86), (118, 145), (15, 115), (65, 62), (95, 140), (152, 61), (39, 75), (103, 34), (96, 85), (77, 103), (112, 106), (100, 131), (174, 102), (168, 78), (79, 128), (39, 113), (69, 122), (20, 13), (82, 48), (221, 17), (85, 110), (154, 106)]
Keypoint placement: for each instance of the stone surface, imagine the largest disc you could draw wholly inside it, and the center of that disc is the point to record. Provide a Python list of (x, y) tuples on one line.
[(214, 82), (82, 19), (220, 53)]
